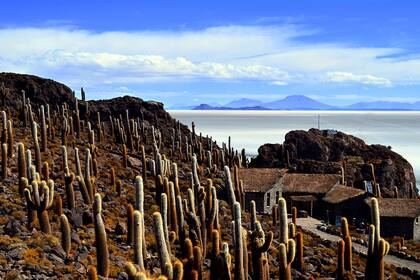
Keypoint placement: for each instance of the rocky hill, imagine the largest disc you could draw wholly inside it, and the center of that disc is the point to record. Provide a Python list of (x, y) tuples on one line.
[(316, 151)]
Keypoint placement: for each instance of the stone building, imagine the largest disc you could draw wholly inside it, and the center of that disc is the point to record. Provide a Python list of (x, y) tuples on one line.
[(343, 201), (305, 191), (257, 182), (399, 217)]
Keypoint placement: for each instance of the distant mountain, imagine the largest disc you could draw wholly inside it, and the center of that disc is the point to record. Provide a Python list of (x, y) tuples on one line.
[(301, 102), (383, 105), (208, 107), (244, 102), (296, 102)]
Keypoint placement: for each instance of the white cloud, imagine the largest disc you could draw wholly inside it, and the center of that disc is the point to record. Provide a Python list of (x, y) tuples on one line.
[(345, 77), (267, 54)]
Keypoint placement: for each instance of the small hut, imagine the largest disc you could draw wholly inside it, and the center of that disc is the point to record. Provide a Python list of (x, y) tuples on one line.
[(256, 182), (399, 217), (343, 201)]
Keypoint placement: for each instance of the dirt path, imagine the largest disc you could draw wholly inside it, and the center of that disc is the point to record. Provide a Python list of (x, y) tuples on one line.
[(310, 224)]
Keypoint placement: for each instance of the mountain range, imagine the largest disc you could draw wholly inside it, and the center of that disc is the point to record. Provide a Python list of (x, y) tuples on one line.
[(301, 102)]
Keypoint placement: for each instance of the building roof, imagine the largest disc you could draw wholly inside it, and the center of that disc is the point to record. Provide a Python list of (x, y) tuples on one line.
[(303, 198), (260, 179), (398, 207), (340, 193), (309, 183)]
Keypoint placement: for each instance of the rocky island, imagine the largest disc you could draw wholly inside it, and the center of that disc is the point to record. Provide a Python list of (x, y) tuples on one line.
[(118, 189)]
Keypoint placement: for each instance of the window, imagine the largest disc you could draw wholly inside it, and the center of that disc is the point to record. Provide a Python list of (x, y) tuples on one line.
[(268, 199)]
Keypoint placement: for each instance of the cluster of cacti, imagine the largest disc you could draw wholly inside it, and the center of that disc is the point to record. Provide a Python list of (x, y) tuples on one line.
[(344, 257)]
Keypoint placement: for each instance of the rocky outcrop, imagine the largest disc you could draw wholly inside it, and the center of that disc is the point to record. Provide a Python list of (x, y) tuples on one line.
[(45, 91), (325, 151)]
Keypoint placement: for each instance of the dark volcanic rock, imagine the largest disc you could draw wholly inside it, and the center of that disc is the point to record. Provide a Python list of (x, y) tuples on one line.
[(316, 151), (38, 90)]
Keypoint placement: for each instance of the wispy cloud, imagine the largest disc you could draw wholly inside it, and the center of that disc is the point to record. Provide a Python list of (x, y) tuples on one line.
[(346, 77)]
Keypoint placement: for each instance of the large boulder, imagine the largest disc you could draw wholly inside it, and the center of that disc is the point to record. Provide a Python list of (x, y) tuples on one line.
[(326, 151)]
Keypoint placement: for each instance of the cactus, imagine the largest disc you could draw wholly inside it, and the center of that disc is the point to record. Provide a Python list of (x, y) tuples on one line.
[(340, 261), (45, 171), (198, 261), (298, 264), (138, 239), (10, 140), (238, 242), (4, 161), (87, 179), (161, 244), (283, 225), (274, 214), (44, 139), (38, 161), (65, 234), (287, 246), (294, 215), (130, 224), (259, 247), (286, 257), (229, 187), (124, 156), (92, 273), (68, 181), (41, 200), (22, 171), (102, 254), (378, 248)]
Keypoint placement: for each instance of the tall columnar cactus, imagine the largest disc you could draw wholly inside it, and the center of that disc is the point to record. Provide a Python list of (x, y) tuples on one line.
[(286, 257), (88, 179), (68, 181), (38, 161), (283, 224), (130, 224), (378, 248), (102, 254), (259, 247), (144, 163), (65, 234), (294, 216), (41, 200), (172, 207), (10, 140), (161, 244), (229, 187), (4, 161), (341, 271), (299, 261), (22, 171), (238, 242), (140, 207), (287, 246), (124, 156), (44, 139), (138, 239)]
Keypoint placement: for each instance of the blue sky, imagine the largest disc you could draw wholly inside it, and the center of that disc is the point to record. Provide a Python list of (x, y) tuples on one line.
[(187, 52)]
